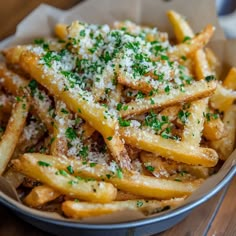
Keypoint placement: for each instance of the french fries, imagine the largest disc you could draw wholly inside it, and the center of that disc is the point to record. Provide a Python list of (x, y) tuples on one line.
[(125, 180), (40, 195), (170, 149), (119, 117), (192, 92), (63, 182), (77, 210), (13, 131)]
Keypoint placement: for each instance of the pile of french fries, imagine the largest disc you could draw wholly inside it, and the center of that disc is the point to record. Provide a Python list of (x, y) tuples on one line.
[(109, 118)]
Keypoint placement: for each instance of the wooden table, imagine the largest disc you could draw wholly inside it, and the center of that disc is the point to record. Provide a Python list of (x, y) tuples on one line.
[(215, 217)]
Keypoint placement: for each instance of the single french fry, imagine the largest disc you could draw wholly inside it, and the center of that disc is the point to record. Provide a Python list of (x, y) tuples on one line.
[(181, 27), (225, 146), (61, 31), (124, 180), (197, 90), (164, 168), (40, 195), (95, 115), (77, 210), (168, 148), (13, 131), (63, 182), (192, 45), (230, 80)]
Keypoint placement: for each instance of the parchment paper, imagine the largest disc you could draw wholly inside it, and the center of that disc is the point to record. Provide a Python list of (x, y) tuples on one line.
[(40, 23)]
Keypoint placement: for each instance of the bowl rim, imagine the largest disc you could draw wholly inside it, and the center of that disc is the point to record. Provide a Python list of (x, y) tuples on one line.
[(131, 224)]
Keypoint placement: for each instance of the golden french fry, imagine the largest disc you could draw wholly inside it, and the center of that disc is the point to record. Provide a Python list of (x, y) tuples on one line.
[(79, 210), (180, 26), (168, 148), (127, 181), (225, 146), (198, 89), (63, 182), (40, 195), (13, 131)]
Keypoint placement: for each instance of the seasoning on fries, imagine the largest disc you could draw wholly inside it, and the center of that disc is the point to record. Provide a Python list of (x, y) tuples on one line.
[(104, 118)]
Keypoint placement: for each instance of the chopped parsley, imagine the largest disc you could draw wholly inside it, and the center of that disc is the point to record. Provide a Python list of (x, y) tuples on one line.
[(70, 169), (210, 78), (178, 180), (186, 39), (123, 123), (84, 152), (139, 95), (108, 176), (119, 173), (139, 203), (62, 172), (71, 133), (209, 116), (109, 138), (63, 110), (150, 168), (42, 163), (183, 116), (33, 85), (92, 164), (82, 33)]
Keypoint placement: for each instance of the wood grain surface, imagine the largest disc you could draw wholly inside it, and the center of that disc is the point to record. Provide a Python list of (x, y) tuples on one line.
[(216, 217)]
